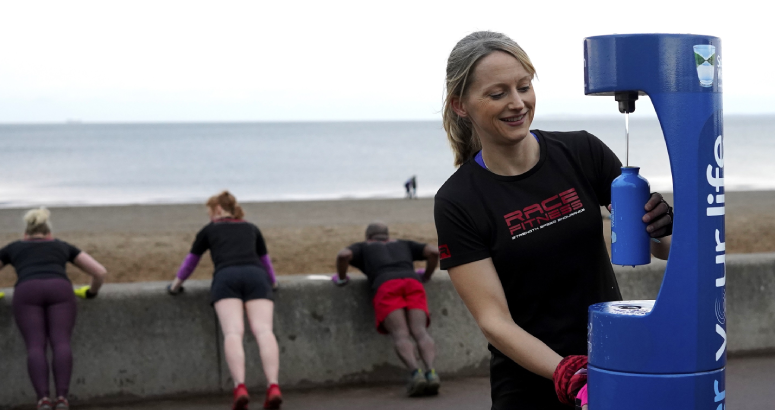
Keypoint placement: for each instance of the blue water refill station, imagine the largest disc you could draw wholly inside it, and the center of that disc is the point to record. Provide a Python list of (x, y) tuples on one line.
[(668, 354)]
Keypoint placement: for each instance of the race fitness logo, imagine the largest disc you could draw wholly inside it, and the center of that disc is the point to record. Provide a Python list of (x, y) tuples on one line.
[(548, 212)]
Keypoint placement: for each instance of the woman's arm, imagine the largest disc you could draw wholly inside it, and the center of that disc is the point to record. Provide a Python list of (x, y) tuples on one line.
[(86, 263), (185, 270), (478, 285)]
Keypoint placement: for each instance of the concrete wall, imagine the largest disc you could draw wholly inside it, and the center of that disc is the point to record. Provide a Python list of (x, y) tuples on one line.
[(135, 341)]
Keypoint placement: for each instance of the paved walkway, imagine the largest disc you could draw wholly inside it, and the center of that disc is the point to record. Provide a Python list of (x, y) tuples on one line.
[(750, 386)]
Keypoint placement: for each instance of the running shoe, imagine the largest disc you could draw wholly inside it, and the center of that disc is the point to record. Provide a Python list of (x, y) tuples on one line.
[(44, 404), (62, 404), (241, 397), (434, 382), (273, 397), (417, 384)]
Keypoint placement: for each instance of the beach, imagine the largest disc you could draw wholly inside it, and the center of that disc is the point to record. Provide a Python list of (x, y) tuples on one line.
[(148, 242)]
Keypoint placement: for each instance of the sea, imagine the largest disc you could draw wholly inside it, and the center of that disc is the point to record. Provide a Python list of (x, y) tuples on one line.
[(77, 164)]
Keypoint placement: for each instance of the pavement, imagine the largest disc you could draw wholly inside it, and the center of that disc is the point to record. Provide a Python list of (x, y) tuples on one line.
[(750, 386)]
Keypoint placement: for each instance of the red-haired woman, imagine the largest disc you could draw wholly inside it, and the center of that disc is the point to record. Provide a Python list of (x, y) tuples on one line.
[(243, 282)]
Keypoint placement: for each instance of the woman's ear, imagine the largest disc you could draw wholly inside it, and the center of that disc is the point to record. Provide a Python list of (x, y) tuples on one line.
[(458, 107)]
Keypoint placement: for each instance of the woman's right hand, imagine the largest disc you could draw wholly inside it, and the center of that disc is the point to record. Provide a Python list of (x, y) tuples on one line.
[(176, 287), (84, 292)]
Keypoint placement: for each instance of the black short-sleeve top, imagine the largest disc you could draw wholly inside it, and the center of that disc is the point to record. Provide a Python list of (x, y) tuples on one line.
[(382, 261), (39, 258), (231, 242), (543, 230)]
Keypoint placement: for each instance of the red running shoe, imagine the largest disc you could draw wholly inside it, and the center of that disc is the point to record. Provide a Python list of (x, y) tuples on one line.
[(273, 397), (241, 397)]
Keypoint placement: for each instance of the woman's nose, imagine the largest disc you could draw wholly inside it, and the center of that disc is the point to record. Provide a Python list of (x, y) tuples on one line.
[(516, 102)]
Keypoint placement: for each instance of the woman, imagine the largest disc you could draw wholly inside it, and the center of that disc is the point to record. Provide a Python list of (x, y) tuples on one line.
[(44, 302), (243, 282), (519, 225)]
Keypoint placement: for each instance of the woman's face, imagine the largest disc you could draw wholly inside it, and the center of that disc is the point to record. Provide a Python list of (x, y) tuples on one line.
[(499, 101)]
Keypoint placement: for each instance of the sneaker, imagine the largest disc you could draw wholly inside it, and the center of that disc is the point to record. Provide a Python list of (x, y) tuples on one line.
[(434, 382), (273, 397), (62, 404), (241, 397), (44, 404), (417, 384)]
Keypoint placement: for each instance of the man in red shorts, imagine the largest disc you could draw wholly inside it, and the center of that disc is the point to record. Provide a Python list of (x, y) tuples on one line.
[(399, 297)]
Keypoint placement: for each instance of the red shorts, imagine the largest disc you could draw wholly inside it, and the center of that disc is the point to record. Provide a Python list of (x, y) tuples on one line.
[(399, 294)]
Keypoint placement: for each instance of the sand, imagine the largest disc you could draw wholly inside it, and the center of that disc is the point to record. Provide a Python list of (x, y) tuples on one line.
[(148, 242)]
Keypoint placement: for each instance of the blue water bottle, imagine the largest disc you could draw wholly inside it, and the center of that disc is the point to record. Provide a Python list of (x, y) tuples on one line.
[(630, 243)]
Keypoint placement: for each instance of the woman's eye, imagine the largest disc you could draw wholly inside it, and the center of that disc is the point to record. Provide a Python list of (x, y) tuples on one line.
[(524, 89), (497, 95)]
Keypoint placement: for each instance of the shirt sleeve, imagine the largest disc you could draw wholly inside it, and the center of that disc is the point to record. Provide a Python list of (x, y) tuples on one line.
[(5, 257), (606, 166), (459, 240), (357, 250), (72, 252), (201, 243), (418, 250), (260, 243)]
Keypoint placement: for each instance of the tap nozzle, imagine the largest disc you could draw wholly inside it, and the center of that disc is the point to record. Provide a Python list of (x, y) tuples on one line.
[(626, 101)]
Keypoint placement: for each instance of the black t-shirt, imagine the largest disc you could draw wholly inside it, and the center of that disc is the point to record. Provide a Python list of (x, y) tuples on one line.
[(383, 261), (39, 258), (543, 230), (231, 242)]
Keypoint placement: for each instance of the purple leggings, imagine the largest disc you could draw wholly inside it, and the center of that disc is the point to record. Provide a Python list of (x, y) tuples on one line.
[(44, 310)]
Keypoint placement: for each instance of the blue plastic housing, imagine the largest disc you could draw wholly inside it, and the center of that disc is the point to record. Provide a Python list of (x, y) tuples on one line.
[(674, 348)]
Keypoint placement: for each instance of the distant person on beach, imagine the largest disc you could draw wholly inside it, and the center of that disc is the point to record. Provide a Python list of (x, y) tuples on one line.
[(243, 281), (411, 187), (400, 304), (44, 302), (528, 289)]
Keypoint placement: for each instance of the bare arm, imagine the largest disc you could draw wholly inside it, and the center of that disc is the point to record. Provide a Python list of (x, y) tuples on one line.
[(478, 285), (343, 262), (86, 263), (431, 254)]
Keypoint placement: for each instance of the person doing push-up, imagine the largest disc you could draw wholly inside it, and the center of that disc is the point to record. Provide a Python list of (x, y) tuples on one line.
[(399, 300)]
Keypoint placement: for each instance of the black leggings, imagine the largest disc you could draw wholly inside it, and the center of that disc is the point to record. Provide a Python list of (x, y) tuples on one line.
[(44, 310)]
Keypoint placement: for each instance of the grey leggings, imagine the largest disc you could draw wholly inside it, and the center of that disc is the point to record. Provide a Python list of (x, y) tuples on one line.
[(44, 310)]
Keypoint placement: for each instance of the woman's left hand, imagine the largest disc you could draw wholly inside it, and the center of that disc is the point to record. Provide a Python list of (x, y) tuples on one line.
[(659, 216)]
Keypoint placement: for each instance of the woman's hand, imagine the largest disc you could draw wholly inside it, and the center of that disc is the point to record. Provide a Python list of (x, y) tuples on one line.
[(659, 216), (176, 287), (84, 292)]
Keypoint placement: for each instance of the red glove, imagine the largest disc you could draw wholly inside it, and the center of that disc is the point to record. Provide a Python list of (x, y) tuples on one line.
[(569, 377)]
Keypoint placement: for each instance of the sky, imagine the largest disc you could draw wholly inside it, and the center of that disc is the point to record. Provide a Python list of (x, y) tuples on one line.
[(190, 61)]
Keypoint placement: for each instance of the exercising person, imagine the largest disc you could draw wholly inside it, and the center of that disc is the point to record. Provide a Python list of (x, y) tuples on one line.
[(243, 281), (520, 229), (399, 300), (44, 302)]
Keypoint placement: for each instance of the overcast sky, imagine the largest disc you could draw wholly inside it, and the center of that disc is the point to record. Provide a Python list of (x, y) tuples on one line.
[(138, 61)]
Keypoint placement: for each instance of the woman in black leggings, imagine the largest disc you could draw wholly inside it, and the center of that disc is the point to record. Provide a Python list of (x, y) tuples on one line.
[(44, 302)]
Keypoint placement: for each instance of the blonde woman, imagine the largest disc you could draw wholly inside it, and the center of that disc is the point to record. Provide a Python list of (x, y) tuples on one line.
[(44, 302), (519, 225), (243, 282)]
